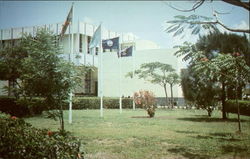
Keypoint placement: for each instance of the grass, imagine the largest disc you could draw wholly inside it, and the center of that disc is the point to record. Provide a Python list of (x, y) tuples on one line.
[(171, 134)]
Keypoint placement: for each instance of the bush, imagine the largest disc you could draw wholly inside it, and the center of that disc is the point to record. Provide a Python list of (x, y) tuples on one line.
[(22, 107), (35, 106), (94, 103), (20, 140), (231, 107), (146, 99)]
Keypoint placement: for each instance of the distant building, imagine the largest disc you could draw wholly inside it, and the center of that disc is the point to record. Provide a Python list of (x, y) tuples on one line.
[(144, 51)]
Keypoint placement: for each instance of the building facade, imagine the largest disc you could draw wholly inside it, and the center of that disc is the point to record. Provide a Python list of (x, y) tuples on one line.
[(114, 69)]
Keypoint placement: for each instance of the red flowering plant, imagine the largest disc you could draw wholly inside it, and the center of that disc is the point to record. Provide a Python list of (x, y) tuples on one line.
[(145, 99), (14, 117), (50, 133)]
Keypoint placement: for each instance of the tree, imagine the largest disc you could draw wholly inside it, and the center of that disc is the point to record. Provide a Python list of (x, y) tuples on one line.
[(226, 43), (42, 72), (231, 68), (198, 22), (208, 48), (146, 99), (172, 79), (156, 73), (11, 59), (199, 91)]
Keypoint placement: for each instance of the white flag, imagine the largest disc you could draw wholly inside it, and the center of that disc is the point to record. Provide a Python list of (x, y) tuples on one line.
[(96, 39)]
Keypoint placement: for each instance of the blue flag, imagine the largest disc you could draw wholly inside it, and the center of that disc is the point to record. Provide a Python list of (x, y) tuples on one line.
[(111, 44), (126, 52)]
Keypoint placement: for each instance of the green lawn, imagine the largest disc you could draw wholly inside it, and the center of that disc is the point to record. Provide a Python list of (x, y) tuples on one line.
[(171, 134)]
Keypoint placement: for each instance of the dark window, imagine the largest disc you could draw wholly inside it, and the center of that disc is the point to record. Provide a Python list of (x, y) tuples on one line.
[(89, 39), (80, 43), (96, 50)]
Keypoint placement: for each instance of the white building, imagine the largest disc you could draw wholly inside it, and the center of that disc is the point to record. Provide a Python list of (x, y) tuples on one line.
[(145, 51)]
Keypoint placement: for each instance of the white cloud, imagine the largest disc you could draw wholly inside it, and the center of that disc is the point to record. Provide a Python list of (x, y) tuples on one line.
[(242, 25)]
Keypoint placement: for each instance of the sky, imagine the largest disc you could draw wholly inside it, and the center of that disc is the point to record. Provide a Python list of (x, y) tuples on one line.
[(145, 19)]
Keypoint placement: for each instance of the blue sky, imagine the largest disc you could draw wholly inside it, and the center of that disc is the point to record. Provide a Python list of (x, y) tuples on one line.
[(145, 19)]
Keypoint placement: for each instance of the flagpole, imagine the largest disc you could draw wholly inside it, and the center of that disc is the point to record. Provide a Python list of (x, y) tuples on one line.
[(101, 72), (93, 56), (133, 56), (120, 87), (71, 55)]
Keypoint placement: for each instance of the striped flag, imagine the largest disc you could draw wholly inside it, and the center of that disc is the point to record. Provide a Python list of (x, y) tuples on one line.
[(67, 22)]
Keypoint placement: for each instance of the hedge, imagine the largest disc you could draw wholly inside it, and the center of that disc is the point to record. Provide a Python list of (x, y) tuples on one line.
[(20, 140), (231, 107), (23, 108), (94, 103)]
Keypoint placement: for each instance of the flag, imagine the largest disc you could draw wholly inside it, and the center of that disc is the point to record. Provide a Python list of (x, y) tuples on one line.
[(68, 20), (96, 39), (126, 52), (111, 44)]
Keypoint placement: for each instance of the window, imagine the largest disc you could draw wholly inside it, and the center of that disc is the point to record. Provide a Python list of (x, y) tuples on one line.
[(96, 50), (88, 40), (80, 43)]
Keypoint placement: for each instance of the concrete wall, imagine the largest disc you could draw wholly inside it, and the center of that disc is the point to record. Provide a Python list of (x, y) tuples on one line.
[(111, 72)]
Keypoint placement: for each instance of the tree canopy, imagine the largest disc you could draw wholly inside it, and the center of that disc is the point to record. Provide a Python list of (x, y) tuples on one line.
[(38, 70), (157, 73), (199, 22), (210, 65)]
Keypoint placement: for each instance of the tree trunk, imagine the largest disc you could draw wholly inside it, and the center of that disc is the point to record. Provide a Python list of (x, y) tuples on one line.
[(9, 87), (62, 120), (165, 90), (223, 100), (237, 88), (209, 111), (172, 104)]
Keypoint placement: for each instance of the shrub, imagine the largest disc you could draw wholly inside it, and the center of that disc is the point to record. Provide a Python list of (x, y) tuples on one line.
[(22, 107), (20, 140), (146, 99), (94, 103), (36, 106), (231, 107)]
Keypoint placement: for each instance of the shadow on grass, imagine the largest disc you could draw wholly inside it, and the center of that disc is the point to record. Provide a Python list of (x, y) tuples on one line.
[(140, 117), (203, 119), (228, 137), (188, 153), (155, 117), (236, 149), (187, 132)]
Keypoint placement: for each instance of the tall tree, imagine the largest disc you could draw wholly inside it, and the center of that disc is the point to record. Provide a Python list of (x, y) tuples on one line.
[(41, 72), (223, 64), (155, 72), (199, 91), (11, 59)]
